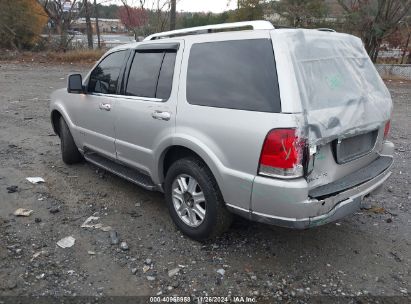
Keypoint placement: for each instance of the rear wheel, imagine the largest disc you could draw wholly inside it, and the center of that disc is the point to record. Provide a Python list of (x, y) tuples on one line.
[(195, 201), (69, 151)]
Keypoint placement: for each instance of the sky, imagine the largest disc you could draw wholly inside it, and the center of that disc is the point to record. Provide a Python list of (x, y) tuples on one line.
[(215, 6)]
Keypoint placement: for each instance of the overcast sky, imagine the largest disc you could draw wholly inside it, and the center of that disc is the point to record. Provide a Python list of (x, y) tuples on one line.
[(215, 6)]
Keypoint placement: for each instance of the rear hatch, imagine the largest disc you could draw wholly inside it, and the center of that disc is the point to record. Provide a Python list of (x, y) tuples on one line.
[(344, 101)]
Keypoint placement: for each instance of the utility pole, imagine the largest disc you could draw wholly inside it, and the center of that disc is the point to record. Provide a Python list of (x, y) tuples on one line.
[(173, 15), (89, 29), (97, 27)]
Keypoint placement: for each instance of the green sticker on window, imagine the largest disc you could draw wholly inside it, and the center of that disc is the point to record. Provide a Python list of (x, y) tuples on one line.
[(334, 81)]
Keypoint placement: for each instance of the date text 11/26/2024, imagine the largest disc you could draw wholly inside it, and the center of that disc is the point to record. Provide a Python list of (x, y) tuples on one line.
[(205, 299)]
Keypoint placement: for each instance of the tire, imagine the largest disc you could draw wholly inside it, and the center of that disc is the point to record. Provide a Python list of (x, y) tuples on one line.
[(69, 150), (217, 219)]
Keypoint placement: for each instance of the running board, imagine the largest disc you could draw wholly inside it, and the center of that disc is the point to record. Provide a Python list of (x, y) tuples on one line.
[(127, 173)]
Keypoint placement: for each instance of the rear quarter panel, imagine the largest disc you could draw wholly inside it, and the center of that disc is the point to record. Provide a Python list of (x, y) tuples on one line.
[(230, 141)]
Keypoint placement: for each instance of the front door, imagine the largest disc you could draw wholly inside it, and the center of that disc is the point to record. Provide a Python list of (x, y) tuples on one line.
[(96, 111)]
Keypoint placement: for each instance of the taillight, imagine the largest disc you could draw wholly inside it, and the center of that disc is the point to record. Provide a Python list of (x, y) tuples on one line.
[(387, 129), (282, 154)]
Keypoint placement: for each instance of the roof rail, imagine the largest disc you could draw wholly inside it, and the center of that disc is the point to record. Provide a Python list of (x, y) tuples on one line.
[(256, 25), (323, 29)]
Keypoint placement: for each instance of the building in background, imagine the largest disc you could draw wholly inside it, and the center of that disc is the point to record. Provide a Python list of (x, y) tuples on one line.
[(105, 25)]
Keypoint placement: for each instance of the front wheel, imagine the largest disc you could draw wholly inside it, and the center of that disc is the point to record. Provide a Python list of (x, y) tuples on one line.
[(195, 201)]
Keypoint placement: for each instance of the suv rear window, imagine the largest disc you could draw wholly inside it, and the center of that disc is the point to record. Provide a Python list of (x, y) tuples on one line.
[(237, 74)]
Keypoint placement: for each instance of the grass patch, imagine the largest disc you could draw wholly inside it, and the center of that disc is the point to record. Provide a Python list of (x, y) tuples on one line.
[(76, 56)]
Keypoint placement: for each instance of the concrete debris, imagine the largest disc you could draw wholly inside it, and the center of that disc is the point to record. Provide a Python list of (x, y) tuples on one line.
[(23, 212), (221, 271), (66, 242), (35, 180), (124, 246), (173, 272), (87, 224), (146, 268)]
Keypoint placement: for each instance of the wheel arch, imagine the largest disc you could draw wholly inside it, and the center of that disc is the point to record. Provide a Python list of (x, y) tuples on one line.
[(182, 150), (55, 118)]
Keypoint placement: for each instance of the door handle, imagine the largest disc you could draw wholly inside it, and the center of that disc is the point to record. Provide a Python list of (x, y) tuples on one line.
[(160, 115), (105, 106)]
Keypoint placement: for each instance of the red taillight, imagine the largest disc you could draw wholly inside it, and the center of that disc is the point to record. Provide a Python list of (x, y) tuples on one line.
[(387, 129), (282, 154)]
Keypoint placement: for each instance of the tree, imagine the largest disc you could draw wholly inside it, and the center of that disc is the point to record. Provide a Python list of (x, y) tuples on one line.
[(21, 22), (62, 16), (153, 19), (96, 16), (249, 10), (133, 18), (374, 20), (300, 13)]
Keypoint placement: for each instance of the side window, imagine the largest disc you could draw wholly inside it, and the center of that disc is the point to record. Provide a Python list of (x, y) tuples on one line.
[(165, 80), (238, 74), (104, 78), (151, 74)]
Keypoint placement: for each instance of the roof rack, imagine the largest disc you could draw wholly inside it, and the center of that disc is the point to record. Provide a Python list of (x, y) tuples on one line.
[(256, 25), (325, 30)]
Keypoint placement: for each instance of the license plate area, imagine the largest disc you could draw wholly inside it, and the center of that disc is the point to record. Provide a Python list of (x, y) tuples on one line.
[(348, 149)]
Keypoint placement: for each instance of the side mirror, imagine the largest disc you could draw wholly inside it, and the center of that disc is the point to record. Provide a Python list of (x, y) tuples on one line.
[(75, 84)]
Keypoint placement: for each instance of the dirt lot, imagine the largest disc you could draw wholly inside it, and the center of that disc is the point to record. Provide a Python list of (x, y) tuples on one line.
[(367, 254)]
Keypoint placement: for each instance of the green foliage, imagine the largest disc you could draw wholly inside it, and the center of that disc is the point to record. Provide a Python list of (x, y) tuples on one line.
[(21, 22), (249, 10)]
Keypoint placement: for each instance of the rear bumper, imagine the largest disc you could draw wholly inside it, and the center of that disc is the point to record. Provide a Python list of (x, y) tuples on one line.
[(313, 211)]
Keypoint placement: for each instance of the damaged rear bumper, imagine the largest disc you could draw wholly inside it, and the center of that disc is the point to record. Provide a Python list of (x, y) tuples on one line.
[(344, 202)]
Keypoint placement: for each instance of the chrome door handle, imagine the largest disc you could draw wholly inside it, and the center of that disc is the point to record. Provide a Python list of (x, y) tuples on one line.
[(105, 106), (160, 115)]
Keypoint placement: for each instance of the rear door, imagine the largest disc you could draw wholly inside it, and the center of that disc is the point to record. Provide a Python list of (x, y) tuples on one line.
[(146, 109)]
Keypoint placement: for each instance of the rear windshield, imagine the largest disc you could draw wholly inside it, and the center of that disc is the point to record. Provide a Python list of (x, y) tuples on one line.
[(236, 74), (335, 72)]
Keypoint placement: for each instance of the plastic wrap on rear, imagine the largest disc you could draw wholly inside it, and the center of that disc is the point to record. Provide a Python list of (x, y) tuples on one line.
[(340, 90)]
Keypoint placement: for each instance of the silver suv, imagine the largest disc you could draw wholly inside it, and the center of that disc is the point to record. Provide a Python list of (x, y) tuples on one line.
[(282, 126)]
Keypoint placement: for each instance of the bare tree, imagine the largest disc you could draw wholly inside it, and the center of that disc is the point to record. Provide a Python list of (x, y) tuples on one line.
[(62, 18), (299, 13), (96, 16), (374, 20)]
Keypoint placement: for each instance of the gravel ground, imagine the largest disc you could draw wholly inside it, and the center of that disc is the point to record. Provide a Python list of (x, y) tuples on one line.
[(365, 255)]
